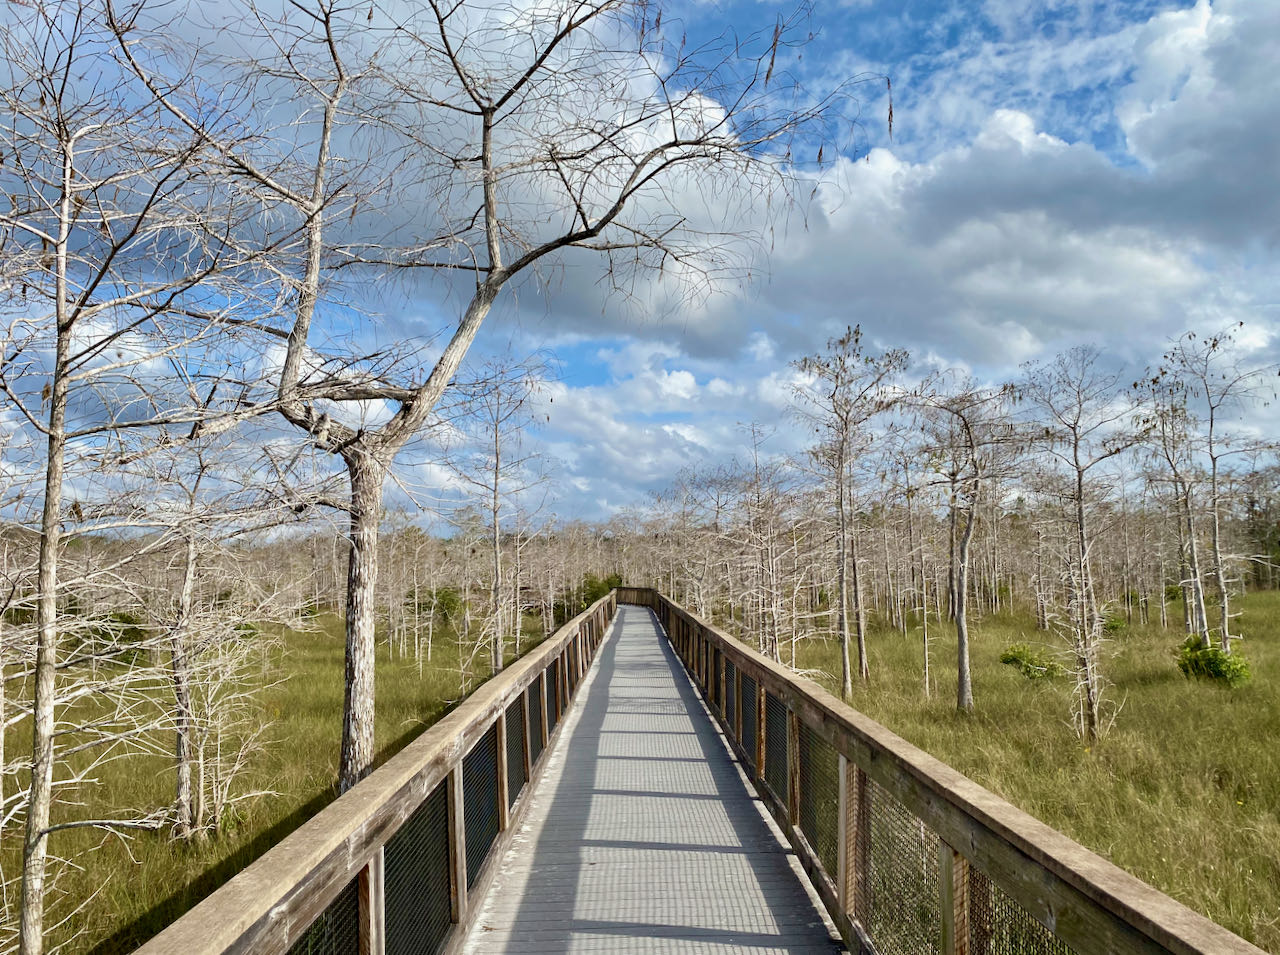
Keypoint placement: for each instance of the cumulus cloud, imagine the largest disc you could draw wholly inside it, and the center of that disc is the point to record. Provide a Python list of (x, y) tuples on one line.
[(1065, 173)]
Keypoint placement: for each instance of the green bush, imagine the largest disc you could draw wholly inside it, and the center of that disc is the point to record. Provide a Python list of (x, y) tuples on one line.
[(1113, 624), (1210, 663), (1032, 663)]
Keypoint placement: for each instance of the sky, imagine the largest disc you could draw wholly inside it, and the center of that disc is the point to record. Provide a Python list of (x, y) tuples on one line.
[(1059, 173)]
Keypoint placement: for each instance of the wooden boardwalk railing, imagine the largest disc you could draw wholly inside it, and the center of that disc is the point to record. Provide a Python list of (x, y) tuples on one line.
[(390, 865), (908, 855)]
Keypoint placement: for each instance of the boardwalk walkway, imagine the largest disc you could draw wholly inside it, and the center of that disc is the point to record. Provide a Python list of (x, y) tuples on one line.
[(643, 835)]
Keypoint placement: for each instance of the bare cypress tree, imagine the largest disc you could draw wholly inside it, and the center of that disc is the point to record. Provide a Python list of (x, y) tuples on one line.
[(1080, 418), (521, 133), (847, 387), (971, 433)]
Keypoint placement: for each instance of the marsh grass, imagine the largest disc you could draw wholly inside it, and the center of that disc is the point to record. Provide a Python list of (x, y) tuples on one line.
[(131, 887), (1184, 792)]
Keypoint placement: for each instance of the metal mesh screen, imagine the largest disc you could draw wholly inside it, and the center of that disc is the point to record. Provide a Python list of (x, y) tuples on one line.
[(416, 879), (776, 769), (716, 697), (552, 678), (480, 799), (1000, 926), (730, 695), (749, 720), (904, 917), (534, 693), (515, 751), (820, 798), (336, 930)]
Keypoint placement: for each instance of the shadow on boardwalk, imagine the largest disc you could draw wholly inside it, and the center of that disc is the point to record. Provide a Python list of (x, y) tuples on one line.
[(642, 836)]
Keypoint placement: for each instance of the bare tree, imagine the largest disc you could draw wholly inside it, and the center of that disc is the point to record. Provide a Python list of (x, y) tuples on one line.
[(1209, 374), (523, 133), (1081, 422), (107, 233), (847, 387), (499, 399), (972, 438)]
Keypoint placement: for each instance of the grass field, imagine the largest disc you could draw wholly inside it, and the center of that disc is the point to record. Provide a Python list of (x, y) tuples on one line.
[(135, 886), (1185, 790)]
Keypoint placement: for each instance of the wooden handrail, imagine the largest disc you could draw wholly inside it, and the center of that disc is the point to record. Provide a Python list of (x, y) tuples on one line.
[(1079, 897), (270, 904)]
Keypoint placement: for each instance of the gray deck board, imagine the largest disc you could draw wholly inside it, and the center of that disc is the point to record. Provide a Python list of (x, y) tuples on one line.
[(642, 835)]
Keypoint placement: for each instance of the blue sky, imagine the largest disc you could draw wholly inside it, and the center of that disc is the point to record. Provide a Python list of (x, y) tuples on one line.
[(1059, 173)]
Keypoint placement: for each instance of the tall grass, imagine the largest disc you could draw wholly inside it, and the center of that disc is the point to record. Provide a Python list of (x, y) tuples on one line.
[(1184, 792), (127, 888)]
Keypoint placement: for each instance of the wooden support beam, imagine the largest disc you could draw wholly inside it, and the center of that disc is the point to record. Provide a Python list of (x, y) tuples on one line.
[(500, 728), (528, 737), (757, 714), (953, 878), (793, 768), (457, 846), (372, 902)]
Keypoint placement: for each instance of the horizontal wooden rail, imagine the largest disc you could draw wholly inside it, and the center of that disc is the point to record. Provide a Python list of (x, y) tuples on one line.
[(297, 887), (984, 876)]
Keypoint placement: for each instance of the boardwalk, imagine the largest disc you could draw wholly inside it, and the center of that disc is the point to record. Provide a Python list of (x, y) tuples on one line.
[(642, 835)]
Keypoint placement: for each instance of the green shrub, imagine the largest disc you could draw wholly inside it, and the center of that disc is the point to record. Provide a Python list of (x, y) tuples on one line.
[(1034, 664), (1113, 624), (1210, 663)]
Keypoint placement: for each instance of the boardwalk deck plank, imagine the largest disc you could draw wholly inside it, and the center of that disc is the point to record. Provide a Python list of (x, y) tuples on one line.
[(642, 835)]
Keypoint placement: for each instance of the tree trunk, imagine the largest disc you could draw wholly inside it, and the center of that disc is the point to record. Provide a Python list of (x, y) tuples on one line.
[(1219, 568), (366, 474), (842, 585), (1086, 638), (35, 849), (181, 673), (859, 612), (964, 678)]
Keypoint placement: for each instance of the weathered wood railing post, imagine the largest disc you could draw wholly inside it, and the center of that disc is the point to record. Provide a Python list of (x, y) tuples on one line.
[(457, 846), (526, 713), (500, 727), (953, 872), (758, 716), (546, 703), (372, 906), (853, 844), (793, 768)]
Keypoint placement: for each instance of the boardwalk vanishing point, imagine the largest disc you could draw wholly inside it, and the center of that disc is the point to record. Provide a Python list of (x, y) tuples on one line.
[(643, 835)]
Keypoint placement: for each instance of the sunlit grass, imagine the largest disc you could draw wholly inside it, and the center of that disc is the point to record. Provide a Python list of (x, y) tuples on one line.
[(136, 885), (1184, 792)]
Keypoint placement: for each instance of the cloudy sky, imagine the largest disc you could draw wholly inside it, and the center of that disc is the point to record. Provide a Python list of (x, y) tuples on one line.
[(1059, 172)]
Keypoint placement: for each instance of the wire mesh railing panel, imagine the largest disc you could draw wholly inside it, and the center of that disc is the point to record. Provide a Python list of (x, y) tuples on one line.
[(717, 697), (776, 759), (551, 676), (730, 695), (416, 879), (903, 882), (336, 930), (534, 694), (820, 798), (749, 721), (515, 751), (1000, 926), (480, 800)]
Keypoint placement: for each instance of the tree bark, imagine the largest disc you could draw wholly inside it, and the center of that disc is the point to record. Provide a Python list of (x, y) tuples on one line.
[(181, 674), (366, 474), (35, 848), (964, 678)]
